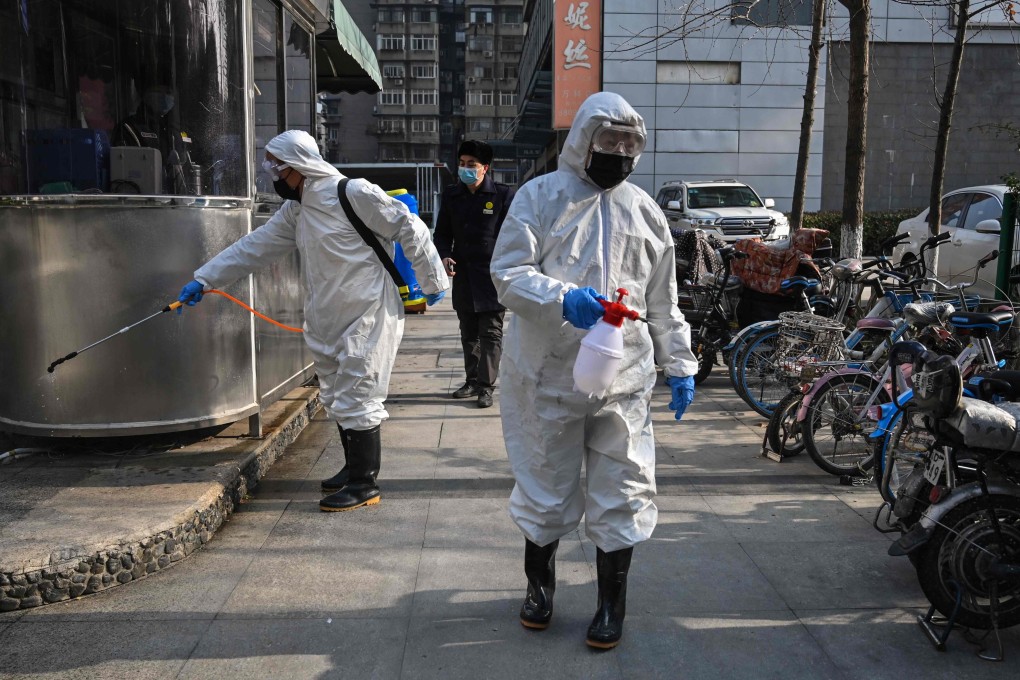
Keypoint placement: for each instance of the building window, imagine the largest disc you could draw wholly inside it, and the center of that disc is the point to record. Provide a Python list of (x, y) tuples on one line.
[(479, 99), (509, 71), (508, 99), (482, 71), (423, 70), (480, 125), (478, 43), (512, 16), (480, 15), (424, 97), (510, 43), (391, 152), (393, 71), (423, 15), (391, 125), (423, 125), (391, 42), (505, 176), (772, 12), (394, 98), (698, 72), (422, 152), (504, 124), (392, 15), (423, 43)]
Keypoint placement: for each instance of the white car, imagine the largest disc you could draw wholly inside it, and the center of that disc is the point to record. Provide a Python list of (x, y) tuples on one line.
[(971, 215), (725, 208)]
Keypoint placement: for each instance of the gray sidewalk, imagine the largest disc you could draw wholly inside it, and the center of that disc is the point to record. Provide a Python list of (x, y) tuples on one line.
[(756, 569)]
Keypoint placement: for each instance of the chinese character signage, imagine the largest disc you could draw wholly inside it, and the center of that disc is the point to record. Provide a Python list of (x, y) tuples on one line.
[(577, 58)]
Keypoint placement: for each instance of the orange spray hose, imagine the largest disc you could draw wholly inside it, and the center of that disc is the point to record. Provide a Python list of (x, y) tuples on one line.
[(253, 311)]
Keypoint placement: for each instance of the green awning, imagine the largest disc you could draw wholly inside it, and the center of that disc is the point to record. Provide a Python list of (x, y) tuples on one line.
[(345, 60)]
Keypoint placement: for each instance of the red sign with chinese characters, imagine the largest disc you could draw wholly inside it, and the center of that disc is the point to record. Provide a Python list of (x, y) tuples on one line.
[(577, 56)]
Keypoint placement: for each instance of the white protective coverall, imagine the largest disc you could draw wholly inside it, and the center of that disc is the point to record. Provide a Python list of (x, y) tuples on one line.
[(564, 232), (354, 317)]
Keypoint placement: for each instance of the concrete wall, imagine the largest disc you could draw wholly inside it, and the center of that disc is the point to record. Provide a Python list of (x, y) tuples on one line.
[(902, 119), (750, 129)]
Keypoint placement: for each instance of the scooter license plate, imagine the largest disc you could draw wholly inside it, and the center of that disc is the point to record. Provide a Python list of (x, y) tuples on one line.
[(934, 466)]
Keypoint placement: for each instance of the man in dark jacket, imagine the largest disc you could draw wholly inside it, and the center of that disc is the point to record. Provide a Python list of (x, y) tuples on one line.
[(470, 215)]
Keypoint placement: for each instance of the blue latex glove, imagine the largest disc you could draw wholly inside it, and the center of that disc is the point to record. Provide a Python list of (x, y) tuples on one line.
[(191, 294), (433, 298), (683, 394), (581, 307)]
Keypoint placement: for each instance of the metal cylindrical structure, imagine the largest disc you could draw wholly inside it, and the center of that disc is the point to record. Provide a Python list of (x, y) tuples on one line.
[(128, 157)]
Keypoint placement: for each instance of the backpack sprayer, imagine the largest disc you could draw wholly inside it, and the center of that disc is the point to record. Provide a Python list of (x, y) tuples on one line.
[(172, 306)]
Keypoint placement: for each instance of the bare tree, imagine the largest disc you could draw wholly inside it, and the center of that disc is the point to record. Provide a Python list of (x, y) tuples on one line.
[(852, 228), (807, 120), (963, 11)]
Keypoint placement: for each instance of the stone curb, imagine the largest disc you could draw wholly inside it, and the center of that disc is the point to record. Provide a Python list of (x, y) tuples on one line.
[(167, 544)]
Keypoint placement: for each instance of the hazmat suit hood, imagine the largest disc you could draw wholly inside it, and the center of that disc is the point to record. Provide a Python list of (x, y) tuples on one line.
[(593, 112), (298, 149)]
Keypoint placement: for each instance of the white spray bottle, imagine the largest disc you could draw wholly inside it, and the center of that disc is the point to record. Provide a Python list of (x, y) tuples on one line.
[(598, 360)]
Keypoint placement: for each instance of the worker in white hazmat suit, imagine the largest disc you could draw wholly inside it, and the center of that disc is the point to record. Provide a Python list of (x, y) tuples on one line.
[(354, 317), (570, 238)]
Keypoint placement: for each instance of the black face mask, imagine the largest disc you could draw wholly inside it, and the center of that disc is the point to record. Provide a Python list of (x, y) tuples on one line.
[(607, 169), (285, 191)]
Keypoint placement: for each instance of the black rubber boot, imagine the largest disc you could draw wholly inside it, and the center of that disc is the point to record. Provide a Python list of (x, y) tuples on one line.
[(337, 481), (540, 568), (607, 626), (364, 450)]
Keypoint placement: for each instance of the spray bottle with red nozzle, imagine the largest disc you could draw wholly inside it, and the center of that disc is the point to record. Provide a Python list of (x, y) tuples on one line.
[(598, 360)]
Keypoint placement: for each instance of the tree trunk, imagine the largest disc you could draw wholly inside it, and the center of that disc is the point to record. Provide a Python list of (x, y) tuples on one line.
[(938, 172), (807, 120), (852, 228)]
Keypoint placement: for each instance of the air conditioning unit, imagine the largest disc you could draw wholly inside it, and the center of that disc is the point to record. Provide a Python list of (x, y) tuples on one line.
[(471, 79), (398, 81), (375, 109), (487, 54)]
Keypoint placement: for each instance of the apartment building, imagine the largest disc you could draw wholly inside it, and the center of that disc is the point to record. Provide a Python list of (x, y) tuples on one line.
[(493, 38), (449, 71)]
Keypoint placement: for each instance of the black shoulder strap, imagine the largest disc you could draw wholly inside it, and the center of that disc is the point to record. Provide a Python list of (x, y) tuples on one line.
[(366, 233)]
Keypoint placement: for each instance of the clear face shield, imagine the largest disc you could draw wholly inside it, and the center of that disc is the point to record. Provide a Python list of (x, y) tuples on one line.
[(618, 139)]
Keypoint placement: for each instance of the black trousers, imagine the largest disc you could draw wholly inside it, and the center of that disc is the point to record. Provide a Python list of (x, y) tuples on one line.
[(481, 336)]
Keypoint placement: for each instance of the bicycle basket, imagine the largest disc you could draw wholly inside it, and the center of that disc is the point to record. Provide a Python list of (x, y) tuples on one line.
[(805, 339), (695, 301)]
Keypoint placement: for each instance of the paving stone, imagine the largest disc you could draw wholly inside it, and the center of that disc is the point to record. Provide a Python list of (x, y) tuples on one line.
[(315, 648), (837, 574), (748, 645), (69, 649), (887, 642)]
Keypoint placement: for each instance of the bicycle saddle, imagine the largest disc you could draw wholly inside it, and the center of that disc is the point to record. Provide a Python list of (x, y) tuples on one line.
[(992, 321), (799, 281), (874, 323), (846, 268), (920, 314), (989, 386)]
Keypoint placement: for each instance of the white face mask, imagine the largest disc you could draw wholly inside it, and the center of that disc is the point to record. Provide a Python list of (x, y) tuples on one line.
[(274, 170)]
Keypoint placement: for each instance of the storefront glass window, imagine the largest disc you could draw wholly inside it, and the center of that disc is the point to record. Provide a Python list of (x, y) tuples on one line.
[(122, 97)]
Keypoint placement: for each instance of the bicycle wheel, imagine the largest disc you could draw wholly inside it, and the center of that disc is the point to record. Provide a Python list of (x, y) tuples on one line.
[(736, 355), (783, 432), (759, 382), (838, 439), (962, 555), (706, 359), (901, 450)]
